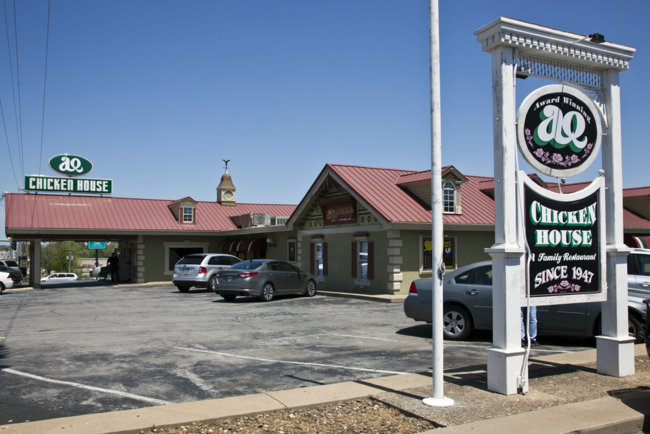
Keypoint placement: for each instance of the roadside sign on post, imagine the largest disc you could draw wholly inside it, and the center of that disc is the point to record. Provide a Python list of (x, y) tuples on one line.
[(96, 245)]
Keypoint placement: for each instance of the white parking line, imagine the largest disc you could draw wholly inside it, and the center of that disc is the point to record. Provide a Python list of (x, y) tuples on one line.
[(290, 362), (86, 387), (364, 337)]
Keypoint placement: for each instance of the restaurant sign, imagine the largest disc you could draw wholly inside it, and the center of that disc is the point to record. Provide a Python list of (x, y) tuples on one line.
[(339, 210), (565, 243), (70, 165), (558, 130), (68, 185)]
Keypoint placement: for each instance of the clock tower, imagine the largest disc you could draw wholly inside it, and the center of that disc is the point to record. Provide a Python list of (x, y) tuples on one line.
[(226, 189)]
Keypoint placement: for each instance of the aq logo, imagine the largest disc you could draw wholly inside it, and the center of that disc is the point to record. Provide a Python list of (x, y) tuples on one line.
[(70, 165), (558, 130)]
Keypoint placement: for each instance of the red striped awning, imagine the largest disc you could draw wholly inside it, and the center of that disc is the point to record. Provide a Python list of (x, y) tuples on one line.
[(639, 241), (243, 245)]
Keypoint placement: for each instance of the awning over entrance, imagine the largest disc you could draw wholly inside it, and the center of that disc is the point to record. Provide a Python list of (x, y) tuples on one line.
[(640, 241), (244, 245)]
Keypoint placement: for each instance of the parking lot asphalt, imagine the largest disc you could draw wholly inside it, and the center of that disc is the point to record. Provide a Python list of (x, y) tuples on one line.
[(71, 351)]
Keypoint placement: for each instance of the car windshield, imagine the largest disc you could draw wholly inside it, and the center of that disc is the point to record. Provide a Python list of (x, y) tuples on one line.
[(192, 259), (11, 263), (248, 265)]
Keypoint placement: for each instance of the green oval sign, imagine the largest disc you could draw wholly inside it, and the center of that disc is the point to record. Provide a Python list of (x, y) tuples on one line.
[(70, 165)]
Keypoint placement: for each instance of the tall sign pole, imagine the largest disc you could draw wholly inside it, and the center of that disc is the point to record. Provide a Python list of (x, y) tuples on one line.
[(438, 399)]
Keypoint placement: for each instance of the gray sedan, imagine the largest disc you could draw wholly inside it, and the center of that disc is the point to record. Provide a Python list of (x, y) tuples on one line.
[(467, 298), (264, 279)]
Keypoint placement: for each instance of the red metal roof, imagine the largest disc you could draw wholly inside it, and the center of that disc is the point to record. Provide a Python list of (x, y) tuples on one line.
[(383, 190), (636, 192), (380, 188), (56, 212)]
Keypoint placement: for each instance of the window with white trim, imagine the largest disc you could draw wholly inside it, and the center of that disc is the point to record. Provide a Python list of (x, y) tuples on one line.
[(362, 260), (319, 259), (188, 214), (449, 197)]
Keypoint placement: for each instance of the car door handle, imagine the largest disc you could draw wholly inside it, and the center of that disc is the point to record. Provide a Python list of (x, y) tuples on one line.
[(472, 291)]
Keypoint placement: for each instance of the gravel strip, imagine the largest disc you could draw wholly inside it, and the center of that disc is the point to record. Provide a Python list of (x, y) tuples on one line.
[(354, 416)]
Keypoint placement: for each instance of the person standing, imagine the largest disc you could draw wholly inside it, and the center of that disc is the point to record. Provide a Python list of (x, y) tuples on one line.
[(114, 268), (532, 326)]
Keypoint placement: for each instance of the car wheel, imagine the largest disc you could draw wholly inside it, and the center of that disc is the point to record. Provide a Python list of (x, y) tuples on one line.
[(183, 288), (229, 297), (457, 323), (310, 289), (2, 287), (212, 284), (268, 291), (635, 328)]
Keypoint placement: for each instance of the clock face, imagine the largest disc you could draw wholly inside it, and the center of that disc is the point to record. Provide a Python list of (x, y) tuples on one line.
[(228, 194)]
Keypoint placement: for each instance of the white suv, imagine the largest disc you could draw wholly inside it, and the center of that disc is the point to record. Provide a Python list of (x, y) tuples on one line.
[(200, 269)]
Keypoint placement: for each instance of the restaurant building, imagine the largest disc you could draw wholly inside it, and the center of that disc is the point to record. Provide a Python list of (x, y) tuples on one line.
[(358, 229)]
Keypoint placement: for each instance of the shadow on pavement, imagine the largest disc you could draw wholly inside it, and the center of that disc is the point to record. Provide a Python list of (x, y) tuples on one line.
[(637, 399)]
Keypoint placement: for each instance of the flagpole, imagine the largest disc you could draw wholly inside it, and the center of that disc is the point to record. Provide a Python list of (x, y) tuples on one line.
[(438, 399)]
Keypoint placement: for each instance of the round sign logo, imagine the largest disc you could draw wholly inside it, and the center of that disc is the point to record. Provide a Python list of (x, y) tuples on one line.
[(558, 130), (70, 165)]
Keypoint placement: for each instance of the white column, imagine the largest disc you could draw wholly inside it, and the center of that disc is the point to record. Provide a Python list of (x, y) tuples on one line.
[(615, 349), (505, 357)]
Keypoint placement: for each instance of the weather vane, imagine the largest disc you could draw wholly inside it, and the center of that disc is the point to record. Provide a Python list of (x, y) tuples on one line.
[(226, 161)]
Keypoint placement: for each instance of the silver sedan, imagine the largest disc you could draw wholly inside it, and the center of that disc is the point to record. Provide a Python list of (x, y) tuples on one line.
[(264, 279), (467, 306)]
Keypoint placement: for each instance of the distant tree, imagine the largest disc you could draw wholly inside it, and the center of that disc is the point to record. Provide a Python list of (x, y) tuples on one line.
[(55, 256)]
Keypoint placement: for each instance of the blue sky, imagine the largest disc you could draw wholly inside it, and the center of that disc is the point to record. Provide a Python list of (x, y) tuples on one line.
[(156, 93)]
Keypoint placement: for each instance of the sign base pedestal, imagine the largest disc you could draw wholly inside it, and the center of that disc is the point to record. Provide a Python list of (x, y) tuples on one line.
[(615, 356), (504, 370)]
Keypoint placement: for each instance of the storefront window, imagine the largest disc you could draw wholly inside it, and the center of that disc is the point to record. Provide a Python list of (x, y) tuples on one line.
[(448, 254), (427, 254)]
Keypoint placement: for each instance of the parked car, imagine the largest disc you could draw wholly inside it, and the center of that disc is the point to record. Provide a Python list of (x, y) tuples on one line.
[(6, 282), (59, 277), (638, 270), (15, 273), (200, 269), (467, 306), (264, 279), (13, 264)]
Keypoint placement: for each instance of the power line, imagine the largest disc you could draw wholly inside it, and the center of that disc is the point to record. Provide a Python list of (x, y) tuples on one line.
[(11, 72), (20, 114), (11, 159), (47, 46)]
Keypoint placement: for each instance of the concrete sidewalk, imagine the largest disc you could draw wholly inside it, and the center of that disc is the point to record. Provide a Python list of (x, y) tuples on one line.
[(625, 413)]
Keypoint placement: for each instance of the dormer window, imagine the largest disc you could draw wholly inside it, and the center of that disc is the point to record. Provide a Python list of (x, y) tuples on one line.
[(449, 199), (184, 210), (188, 214)]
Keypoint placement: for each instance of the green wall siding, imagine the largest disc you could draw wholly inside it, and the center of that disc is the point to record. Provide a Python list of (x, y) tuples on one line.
[(339, 253)]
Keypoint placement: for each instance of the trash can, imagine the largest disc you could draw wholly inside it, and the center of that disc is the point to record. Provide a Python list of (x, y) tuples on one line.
[(647, 326)]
